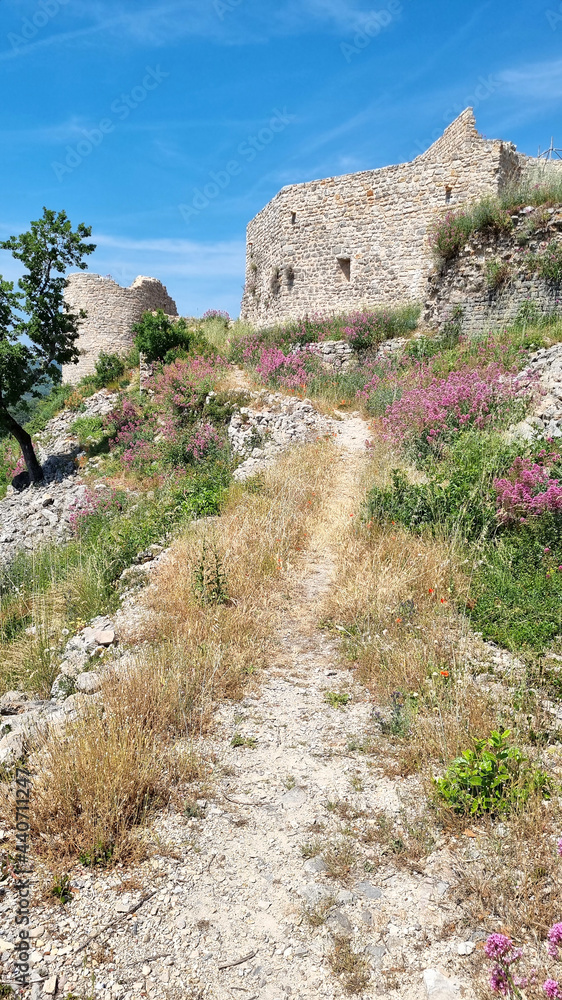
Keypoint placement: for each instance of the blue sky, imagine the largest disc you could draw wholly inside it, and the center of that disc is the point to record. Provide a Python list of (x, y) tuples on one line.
[(167, 125)]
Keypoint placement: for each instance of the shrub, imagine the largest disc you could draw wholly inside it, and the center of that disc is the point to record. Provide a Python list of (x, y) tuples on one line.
[(493, 777), (547, 262), (497, 272), (218, 314), (489, 216), (156, 335), (449, 235), (529, 490), (109, 368), (289, 370), (436, 409), (516, 589)]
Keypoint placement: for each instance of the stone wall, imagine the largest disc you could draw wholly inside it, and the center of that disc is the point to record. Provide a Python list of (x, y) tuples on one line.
[(361, 239), (465, 281), (111, 311)]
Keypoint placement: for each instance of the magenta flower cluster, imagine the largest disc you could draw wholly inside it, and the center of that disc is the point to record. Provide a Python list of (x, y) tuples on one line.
[(366, 328), (216, 314), (204, 440), (528, 490), (141, 436), (287, 370), (555, 940), (504, 954), (178, 386), (436, 409)]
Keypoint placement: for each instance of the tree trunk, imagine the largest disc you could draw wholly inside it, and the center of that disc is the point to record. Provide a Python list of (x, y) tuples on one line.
[(26, 445)]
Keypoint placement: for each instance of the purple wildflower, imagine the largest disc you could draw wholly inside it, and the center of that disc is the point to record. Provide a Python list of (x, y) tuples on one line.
[(554, 940)]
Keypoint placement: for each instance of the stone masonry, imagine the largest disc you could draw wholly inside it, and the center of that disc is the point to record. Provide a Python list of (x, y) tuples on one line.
[(466, 283), (111, 311), (361, 239)]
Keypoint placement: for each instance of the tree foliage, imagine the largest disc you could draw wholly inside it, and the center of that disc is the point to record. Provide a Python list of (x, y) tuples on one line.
[(38, 332)]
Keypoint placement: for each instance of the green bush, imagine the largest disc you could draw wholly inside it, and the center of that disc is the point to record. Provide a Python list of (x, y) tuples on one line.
[(109, 368), (516, 589), (458, 499), (159, 338), (489, 216), (493, 777)]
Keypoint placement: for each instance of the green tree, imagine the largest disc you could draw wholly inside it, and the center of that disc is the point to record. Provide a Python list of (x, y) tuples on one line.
[(37, 330)]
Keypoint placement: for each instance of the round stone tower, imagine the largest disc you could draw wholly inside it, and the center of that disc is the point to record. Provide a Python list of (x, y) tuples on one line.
[(111, 312)]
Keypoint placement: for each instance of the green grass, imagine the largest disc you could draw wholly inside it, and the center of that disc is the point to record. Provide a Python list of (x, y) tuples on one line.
[(63, 586), (516, 604), (493, 214)]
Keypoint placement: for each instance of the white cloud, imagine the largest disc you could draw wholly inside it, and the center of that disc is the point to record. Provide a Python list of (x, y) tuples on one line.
[(176, 256), (157, 24), (536, 80)]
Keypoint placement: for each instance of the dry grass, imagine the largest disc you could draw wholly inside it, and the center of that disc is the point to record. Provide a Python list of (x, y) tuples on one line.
[(517, 875), (93, 786), (351, 969), (107, 773), (264, 526), (339, 857), (393, 602)]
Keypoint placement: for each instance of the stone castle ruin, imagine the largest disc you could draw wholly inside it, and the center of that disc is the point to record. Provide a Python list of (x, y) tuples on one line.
[(362, 239), (111, 312)]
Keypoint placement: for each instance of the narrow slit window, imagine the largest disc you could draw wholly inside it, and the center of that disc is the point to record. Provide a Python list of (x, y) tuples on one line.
[(345, 267), (448, 194), (293, 218)]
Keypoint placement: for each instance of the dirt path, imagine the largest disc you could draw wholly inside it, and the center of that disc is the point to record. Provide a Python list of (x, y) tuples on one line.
[(244, 885)]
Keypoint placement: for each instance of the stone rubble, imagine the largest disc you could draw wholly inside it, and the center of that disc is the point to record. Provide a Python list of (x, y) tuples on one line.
[(260, 432), (543, 375), (33, 515)]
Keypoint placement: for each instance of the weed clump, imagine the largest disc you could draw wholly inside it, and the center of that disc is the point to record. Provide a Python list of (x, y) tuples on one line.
[(492, 777)]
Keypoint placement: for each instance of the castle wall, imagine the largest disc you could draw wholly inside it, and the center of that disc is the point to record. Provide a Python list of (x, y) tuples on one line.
[(111, 311), (345, 242), (464, 281)]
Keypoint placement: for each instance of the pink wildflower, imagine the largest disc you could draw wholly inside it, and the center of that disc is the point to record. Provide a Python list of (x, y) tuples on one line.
[(552, 989), (554, 940)]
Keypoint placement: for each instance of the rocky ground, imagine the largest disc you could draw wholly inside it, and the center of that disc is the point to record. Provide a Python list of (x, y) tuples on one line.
[(272, 424), (32, 515)]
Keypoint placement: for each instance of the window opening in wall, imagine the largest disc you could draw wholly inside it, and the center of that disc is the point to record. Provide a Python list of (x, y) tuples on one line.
[(448, 194), (293, 218), (290, 276), (345, 267)]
